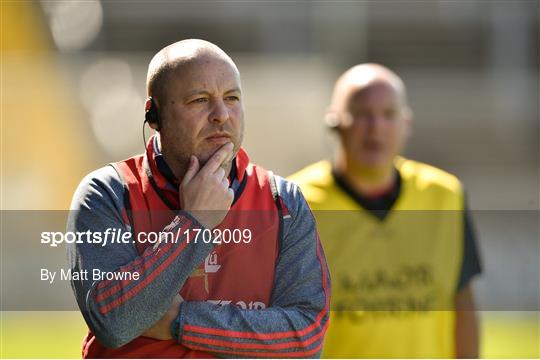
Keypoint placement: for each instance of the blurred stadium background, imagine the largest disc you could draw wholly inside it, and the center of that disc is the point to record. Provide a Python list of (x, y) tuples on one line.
[(73, 77)]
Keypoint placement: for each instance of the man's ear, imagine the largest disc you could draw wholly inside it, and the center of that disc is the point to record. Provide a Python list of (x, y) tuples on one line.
[(337, 120), (332, 119)]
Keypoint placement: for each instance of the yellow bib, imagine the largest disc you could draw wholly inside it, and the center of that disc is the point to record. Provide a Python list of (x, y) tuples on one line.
[(393, 281)]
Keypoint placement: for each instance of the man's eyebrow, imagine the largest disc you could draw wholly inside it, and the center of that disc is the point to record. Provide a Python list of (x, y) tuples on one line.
[(236, 89), (197, 92), (205, 92)]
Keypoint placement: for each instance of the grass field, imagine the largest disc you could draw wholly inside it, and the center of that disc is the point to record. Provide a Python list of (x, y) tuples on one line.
[(59, 335)]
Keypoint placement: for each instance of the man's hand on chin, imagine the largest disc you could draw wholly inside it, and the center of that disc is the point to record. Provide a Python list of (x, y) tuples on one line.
[(161, 330)]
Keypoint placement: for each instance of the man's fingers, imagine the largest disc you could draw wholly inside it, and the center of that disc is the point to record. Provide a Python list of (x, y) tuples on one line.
[(220, 173), (218, 158), (192, 170), (225, 183), (230, 192)]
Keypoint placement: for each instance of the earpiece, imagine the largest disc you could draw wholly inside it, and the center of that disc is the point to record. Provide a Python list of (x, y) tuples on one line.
[(151, 115)]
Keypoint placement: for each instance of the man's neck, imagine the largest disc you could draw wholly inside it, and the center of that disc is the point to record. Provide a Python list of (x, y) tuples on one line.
[(178, 168), (367, 181)]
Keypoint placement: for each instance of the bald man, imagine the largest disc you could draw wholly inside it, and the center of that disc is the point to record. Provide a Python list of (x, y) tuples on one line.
[(398, 275), (236, 268)]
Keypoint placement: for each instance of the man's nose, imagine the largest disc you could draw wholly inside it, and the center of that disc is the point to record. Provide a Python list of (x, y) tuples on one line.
[(375, 121), (220, 112)]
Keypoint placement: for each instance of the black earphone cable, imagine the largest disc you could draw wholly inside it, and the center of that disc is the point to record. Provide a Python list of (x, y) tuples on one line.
[(144, 134)]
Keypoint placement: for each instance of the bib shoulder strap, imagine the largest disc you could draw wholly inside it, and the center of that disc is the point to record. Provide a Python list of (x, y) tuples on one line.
[(277, 200)]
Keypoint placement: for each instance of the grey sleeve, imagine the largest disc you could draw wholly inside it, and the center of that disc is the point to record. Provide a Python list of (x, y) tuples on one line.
[(295, 323), (117, 311)]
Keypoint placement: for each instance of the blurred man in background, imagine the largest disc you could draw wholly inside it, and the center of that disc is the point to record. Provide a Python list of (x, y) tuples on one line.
[(263, 294), (397, 274)]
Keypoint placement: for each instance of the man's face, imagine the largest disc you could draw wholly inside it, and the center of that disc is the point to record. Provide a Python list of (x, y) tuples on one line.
[(376, 126), (202, 110)]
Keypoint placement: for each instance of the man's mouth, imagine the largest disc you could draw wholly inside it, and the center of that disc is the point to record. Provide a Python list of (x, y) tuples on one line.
[(372, 146), (219, 138)]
